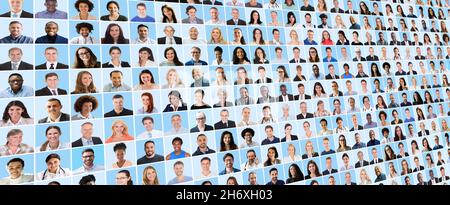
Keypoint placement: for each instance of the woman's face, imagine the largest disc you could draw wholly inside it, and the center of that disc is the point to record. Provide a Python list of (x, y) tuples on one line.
[(145, 100), (122, 179), (144, 55), (170, 55), (15, 140), (53, 135), (292, 171), (215, 34), (318, 89), (227, 139), (237, 34), (291, 19), (120, 154), (291, 150), (240, 53), (271, 154), (168, 13), (146, 78), (53, 165), (260, 54), (115, 54), (255, 16), (326, 35), (309, 147), (119, 127), (113, 9), (198, 97), (83, 7), (219, 73), (86, 79), (84, 54), (363, 175), (86, 107), (114, 31), (258, 34), (15, 112), (151, 175), (172, 76), (312, 168), (293, 35), (341, 141)]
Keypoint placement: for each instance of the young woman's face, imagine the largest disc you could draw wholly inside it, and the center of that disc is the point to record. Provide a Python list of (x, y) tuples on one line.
[(271, 154), (86, 79), (240, 54), (255, 16), (167, 12), (115, 54), (53, 165), (120, 154), (170, 55), (146, 78), (145, 100), (53, 135), (84, 54), (15, 112), (198, 97), (83, 7), (122, 179), (258, 34), (119, 128), (113, 9), (86, 107), (215, 34), (260, 54), (114, 31), (172, 76), (151, 175)]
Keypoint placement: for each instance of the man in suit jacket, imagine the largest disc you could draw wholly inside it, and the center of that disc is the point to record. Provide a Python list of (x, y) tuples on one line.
[(304, 114), (15, 55), (361, 163), (51, 57), (86, 138), (201, 122), (284, 94), (52, 80), (423, 133), (224, 121), (379, 160), (209, 2), (123, 64), (169, 37), (266, 80), (54, 107), (16, 9), (192, 17), (236, 20), (330, 77)]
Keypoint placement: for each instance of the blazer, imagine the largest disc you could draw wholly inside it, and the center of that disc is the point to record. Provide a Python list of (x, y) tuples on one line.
[(207, 128), (59, 40), (360, 127), (427, 132), (329, 77), (22, 66), (379, 161), (300, 61), (122, 64), (418, 169), (339, 10), (326, 172), (261, 100), (370, 58), (308, 115), (358, 164), (290, 98), (220, 125), (307, 97), (24, 14), (58, 66), (186, 21), (79, 142), (45, 92), (268, 80), (162, 40), (64, 117), (293, 137), (208, 2), (240, 22)]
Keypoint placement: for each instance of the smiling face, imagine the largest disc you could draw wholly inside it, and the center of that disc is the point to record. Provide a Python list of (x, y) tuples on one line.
[(53, 165), (51, 29), (113, 9), (15, 112), (114, 32)]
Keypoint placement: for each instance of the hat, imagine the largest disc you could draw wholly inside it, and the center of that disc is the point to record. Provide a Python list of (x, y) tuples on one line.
[(323, 16)]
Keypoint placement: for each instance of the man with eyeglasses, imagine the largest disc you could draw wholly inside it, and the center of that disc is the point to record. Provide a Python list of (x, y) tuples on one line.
[(201, 126), (16, 88), (195, 53), (54, 107), (88, 157)]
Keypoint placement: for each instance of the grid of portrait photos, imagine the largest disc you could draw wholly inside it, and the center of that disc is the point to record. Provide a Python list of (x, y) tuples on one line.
[(225, 92)]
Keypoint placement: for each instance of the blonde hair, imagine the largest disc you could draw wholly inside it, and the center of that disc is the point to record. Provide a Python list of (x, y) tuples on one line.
[(125, 130), (145, 180)]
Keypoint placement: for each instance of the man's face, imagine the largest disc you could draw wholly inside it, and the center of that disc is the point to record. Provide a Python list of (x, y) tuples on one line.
[(15, 55), (252, 179), (191, 13), (274, 175), (88, 158), (51, 55), (214, 13), (178, 169), (206, 164), (229, 162), (116, 79), (143, 32), (148, 124), (51, 6), (224, 116), (51, 29), (149, 149), (169, 31), (53, 107), (118, 103), (235, 13), (15, 169), (15, 29), (142, 11), (52, 81), (244, 93), (269, 132), (195, 54), (176, 121), (276, 35), (202, 142), (15, 82), (87, 130), (16, 5), (326, 144)]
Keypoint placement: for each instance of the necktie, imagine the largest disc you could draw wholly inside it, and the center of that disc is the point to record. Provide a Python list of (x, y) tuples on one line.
[(170, 41), (53, 92), (15, 15), (15, 66), (52, 66), (89, 142)]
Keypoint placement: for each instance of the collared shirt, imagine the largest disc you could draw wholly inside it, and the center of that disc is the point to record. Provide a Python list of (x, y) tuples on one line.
[(57, 14), (24, 92), (15, 65), (61, 145), (110, 88), (174, 131), (86, 142), (22, 121), (249, 166), (20, 39), (16, 15), (170, 40), (152, 134), (48, 65), (20, 180), (22, 149), (84, 169), (244, 123), (192, 41), (49, 119), (60, 172), (83, 40), (79, 116), (144, 41)]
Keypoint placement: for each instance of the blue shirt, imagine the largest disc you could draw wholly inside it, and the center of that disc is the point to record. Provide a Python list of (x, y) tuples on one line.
[(331, 60), (225, 171), (146, 19), (20, 39), (174, 156), (51, 15), (24, 92), (307, 42), (192, 63), (410, 119)]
